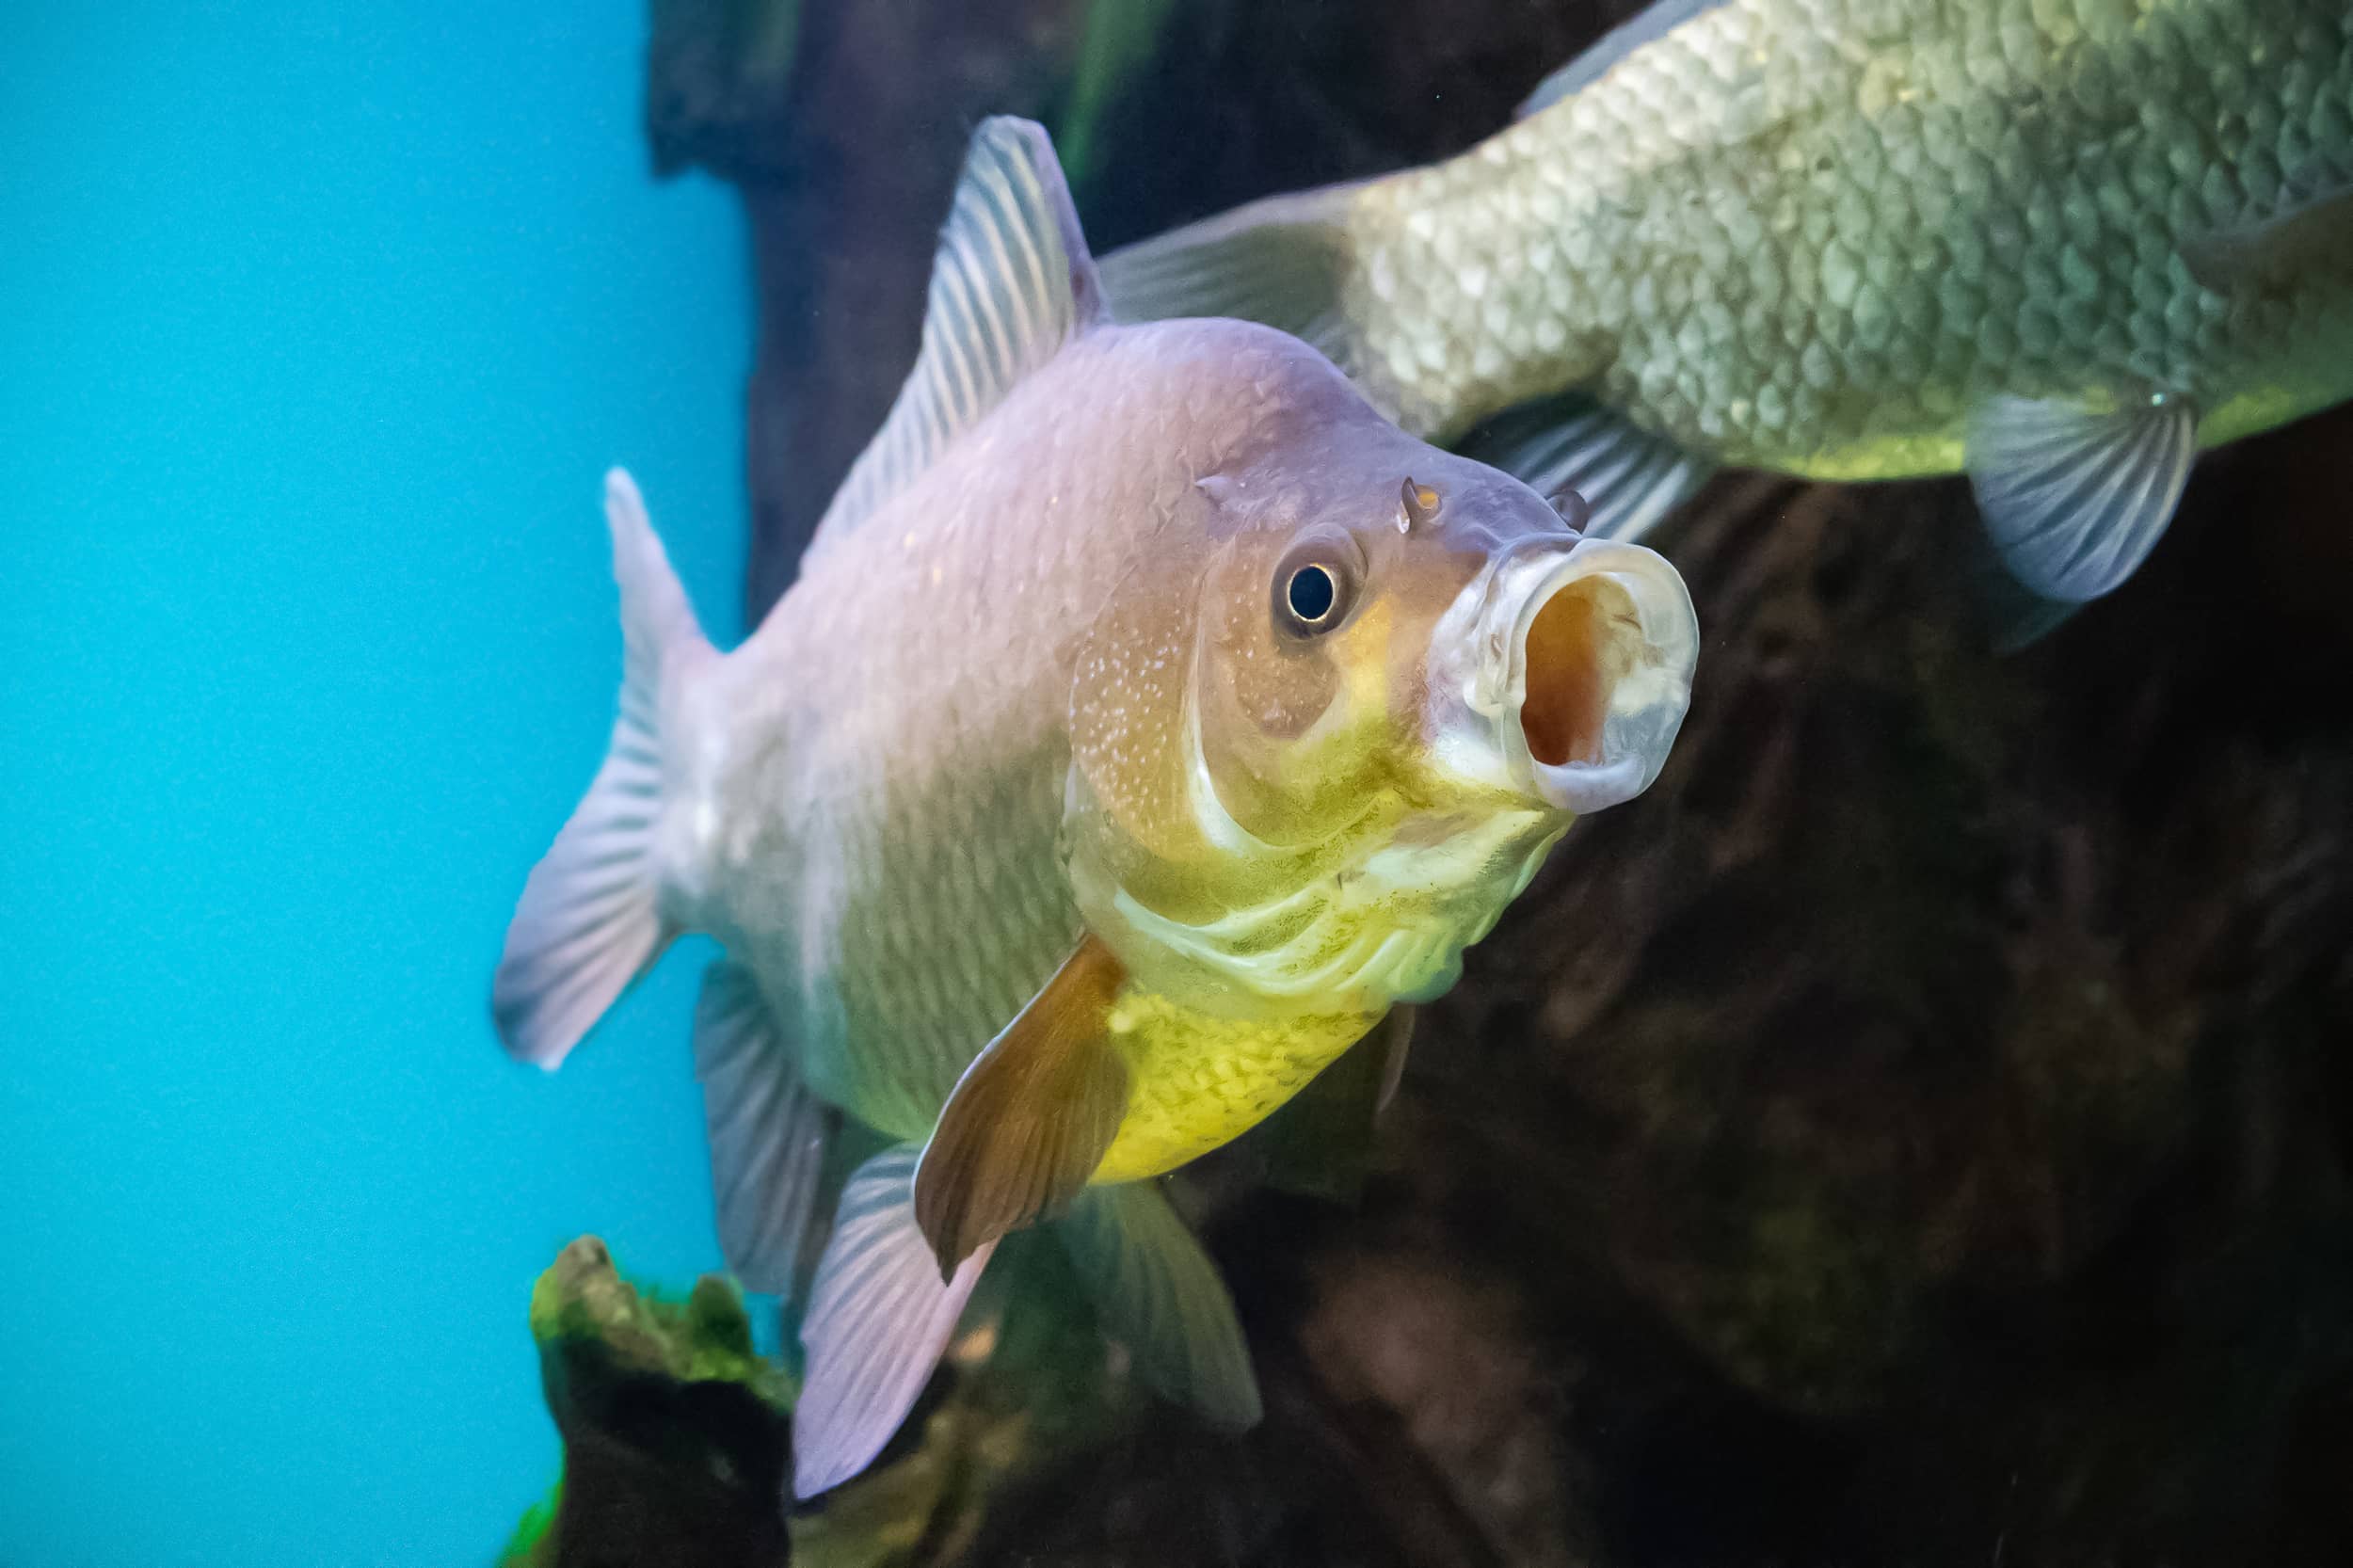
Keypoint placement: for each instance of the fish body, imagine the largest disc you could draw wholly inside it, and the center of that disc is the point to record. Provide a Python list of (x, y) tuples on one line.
[(1150, 719), (888, 756), (1860, 239)]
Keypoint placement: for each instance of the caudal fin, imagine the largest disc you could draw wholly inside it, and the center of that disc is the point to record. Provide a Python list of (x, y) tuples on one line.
[(590, 919), (1280, 261)]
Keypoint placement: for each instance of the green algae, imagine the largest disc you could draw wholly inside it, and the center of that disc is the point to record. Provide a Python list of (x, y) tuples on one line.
[(532, 1544), (705, 1337)]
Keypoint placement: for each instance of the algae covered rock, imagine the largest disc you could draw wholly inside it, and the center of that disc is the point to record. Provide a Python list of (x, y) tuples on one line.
[(1919, 1132), (677, 1436)]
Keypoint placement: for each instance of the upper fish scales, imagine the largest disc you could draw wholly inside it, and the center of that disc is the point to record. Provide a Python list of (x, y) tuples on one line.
[(1810, 236)]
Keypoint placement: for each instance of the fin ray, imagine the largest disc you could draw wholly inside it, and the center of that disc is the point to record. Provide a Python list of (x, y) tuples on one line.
[(1011, 281), (1279, 260), (1032, 1116), (879, 1316), (2075, 498), (1629, 478), (768, 1133)]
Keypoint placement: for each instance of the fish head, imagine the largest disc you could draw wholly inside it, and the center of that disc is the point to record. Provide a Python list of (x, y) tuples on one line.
[(1330, 724), (1559, 672), (1444, 634)]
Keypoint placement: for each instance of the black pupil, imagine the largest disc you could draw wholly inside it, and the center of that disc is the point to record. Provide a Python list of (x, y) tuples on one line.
[(1311, 594)]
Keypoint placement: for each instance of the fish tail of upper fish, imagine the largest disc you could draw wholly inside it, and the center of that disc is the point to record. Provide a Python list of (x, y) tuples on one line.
[(1282, 260), (1322, 264), (880, 1314), (594, 914)]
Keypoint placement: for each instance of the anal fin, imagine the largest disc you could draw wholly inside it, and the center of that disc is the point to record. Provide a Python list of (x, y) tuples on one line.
[(2074, 497), (1628, 478), (768, 1133), (1032, 1116), (2307, 234), (1156, 1291), (1318, 1144)]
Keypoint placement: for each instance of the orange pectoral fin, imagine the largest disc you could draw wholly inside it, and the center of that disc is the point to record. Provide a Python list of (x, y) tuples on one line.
[(1032, 1117)]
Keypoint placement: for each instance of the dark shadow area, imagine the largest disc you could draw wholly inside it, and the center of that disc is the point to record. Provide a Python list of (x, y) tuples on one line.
[(1915, 1133)]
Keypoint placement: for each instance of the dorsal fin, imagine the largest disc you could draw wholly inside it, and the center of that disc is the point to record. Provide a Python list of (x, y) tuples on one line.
[(1648, 26), (1011, 281)]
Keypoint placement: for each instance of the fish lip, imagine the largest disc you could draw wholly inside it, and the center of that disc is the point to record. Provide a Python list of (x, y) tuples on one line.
[(1654, 650)]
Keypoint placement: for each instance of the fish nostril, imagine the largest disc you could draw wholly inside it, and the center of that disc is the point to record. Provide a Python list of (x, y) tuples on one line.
[(1568, 665)]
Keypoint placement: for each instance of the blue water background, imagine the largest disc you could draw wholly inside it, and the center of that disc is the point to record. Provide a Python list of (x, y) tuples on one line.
[(318, 326)]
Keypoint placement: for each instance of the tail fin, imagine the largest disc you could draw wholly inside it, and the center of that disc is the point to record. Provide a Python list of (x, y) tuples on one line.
[(590, 919), (1280, 261)]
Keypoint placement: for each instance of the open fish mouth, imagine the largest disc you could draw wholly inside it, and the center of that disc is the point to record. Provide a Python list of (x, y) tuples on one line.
[(1585, 654)]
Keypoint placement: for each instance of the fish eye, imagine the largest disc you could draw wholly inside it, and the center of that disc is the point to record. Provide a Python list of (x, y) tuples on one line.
[(1311, 594), (1315, 583)]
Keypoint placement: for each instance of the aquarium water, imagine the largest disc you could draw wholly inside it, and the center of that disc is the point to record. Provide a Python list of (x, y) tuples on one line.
[(318, 329)]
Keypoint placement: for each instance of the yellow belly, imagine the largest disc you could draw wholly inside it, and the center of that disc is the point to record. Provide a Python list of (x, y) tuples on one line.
[(1196, 1082)]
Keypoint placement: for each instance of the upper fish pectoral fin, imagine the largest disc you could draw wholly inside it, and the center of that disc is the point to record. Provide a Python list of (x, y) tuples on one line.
[(2073, 497), (1032, 1116), (1628, 478), (1156, 1292), (2304, 235), (879, 1316), (1318, 1143)]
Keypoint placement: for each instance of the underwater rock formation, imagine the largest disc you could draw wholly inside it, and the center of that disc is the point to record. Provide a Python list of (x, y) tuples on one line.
[(1917, 1132), (675, 1440)]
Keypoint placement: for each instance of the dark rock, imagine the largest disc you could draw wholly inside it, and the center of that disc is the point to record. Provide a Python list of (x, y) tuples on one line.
[(675, 1440), (1916, 1132)]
